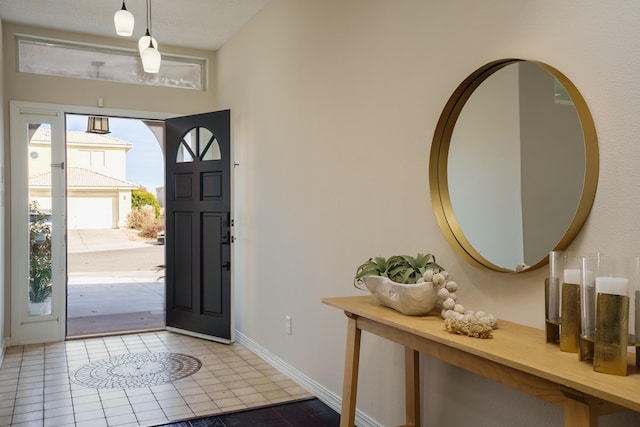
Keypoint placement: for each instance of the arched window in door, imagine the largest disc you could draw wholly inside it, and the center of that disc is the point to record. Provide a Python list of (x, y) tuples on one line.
[(198, 143)]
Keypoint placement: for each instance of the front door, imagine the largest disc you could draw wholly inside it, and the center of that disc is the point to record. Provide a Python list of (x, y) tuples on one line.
[(198, 225)]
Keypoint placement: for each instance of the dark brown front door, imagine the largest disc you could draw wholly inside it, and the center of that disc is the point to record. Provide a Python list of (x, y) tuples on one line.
[(198, 225)]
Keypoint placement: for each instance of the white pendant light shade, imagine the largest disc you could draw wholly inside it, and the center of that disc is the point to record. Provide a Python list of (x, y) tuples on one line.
[(143, 43), (123, 20), (151, 59)]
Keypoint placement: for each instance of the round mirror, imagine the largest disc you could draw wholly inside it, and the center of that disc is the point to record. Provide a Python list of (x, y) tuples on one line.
[(514, 165)]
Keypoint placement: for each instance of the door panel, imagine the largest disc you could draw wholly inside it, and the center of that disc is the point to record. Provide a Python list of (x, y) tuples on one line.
[(212, 227), (198, 224)]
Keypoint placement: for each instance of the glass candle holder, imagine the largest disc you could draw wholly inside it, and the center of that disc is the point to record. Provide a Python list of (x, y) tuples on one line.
[(634, 307), (570, 304), (589, 266), (552, 296), (612, 316)]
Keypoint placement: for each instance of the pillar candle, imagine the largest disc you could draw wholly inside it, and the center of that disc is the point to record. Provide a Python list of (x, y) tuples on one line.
[(612, 285), (572, 275)]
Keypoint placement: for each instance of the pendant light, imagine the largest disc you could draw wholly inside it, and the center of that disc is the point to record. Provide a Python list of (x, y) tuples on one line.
[(123, 20), (151, 59), (98, 124), (144, 41), (149, 55)]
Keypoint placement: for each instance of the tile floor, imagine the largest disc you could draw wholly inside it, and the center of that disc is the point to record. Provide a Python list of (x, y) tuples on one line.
[(38, 385)]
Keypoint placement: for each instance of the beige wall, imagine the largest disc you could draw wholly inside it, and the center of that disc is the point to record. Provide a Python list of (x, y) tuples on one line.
[(3, 201), (334, 105)]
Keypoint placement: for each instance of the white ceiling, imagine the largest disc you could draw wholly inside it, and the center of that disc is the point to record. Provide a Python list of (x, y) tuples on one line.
[(203, 24)]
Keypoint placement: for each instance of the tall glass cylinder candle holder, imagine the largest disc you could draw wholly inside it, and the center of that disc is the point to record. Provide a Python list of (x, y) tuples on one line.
[(570, 304), (552, 296), (634, 307), (612, 316), (589, 266)]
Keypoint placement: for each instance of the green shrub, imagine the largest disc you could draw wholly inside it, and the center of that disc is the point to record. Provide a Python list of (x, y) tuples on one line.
[(141, 197), (39, 255)]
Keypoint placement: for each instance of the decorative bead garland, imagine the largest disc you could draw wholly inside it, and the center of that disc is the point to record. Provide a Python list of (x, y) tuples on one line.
[(457, 320)]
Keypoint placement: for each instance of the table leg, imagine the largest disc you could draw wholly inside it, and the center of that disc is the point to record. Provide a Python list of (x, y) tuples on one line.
[(350, 380), (412, 387), (579, 410)]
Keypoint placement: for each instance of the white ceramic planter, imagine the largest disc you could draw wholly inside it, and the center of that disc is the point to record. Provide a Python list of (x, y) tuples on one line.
[(40, 308), (414, 300)]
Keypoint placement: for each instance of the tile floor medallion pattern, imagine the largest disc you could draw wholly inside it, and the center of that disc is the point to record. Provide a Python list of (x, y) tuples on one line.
[(41, 384), (136, 370)]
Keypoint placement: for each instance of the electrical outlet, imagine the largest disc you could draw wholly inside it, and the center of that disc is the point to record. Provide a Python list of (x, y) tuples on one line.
[(287, 325)]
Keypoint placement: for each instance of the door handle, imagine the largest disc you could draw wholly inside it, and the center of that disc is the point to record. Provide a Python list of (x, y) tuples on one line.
[(228, 239)]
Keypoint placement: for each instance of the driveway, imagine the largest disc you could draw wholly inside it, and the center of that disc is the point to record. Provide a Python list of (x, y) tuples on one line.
[(113, 282), (145, 257), (100, 240)]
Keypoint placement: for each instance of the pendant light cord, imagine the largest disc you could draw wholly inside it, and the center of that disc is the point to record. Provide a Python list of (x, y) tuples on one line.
[(149, 24)]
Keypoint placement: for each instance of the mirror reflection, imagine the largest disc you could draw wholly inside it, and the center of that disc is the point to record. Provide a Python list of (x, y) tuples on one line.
[(511, 162)]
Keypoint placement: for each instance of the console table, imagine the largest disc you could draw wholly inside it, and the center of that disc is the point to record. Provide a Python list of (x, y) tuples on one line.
[(516, 356)]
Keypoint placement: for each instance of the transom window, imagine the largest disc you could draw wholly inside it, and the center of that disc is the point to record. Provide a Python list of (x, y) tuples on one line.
[(86, 61)]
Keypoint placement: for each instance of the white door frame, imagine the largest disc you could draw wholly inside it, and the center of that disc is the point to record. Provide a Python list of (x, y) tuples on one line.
[(47, 328), (25, 328)]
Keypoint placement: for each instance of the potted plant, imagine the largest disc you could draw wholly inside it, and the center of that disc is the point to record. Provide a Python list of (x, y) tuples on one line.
[(414, 286), (39, 285), (39, 261), (410, 285), (399, 268)]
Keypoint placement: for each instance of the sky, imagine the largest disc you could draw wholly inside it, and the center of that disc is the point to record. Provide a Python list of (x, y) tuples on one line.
[(145, 163)]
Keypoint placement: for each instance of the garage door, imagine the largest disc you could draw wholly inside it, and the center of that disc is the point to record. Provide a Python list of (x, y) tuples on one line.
[(90, 212)]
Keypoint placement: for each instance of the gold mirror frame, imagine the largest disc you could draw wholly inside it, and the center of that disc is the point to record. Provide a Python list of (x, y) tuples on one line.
[(438, 160)]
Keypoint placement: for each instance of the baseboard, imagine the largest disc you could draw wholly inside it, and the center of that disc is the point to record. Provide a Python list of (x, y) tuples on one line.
[(331, 399)]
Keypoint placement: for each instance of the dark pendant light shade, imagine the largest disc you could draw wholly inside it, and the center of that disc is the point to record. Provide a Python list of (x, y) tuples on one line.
[(98, 124)]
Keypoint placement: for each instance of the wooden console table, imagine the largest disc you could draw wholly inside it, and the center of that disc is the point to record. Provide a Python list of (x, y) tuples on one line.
[(517, 356)]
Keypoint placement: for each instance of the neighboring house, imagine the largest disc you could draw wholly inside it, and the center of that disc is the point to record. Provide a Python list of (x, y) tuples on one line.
[(98, 195)]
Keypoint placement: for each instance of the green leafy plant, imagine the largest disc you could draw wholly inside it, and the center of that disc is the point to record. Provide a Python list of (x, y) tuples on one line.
[(39, 254), (160, 268), (141, 197), (399, 268), (39, 280)]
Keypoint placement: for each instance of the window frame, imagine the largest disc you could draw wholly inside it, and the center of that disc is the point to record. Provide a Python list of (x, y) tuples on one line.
[(125, 65)]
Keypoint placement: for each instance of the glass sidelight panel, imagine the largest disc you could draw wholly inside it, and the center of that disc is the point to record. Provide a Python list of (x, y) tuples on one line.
[(38, 244), (39, 199)]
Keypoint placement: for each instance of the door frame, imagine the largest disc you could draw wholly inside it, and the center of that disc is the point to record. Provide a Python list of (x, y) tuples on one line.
[(55, 112), (26, 329)]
